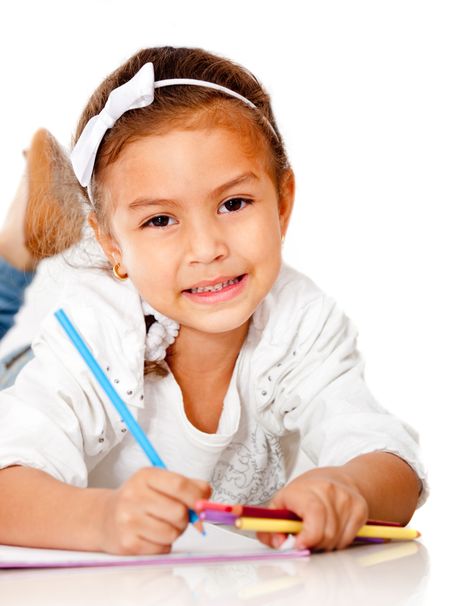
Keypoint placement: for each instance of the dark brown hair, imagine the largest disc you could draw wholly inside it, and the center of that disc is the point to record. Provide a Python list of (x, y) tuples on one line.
[(185, 105)]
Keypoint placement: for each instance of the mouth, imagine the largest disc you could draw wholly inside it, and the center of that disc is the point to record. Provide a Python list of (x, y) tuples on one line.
[(215, 287), (217, 293)]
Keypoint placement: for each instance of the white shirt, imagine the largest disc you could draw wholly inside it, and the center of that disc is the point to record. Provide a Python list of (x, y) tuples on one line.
[(297, 398)]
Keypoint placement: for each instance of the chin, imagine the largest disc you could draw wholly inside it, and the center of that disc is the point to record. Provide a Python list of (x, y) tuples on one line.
[(218, 326)]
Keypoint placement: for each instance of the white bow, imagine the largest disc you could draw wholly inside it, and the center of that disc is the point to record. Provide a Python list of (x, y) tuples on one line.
[(137, 92)]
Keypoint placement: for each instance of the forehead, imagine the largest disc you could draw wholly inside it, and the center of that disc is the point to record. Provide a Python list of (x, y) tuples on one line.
[(181, 161)]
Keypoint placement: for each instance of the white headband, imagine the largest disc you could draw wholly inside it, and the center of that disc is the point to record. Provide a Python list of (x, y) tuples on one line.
[(136, 93)]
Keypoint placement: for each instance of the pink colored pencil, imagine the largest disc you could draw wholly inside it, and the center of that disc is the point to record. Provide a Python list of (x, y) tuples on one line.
[(204, 505)]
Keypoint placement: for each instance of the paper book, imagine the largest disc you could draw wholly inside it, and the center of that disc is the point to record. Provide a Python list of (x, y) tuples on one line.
[(217, 545)]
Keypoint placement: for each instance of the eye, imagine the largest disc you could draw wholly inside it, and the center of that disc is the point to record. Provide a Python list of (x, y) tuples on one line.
[(159, 221), (235, 204)]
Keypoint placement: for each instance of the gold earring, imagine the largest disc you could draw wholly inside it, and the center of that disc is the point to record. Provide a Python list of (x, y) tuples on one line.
[(282, 240), (118, 275)]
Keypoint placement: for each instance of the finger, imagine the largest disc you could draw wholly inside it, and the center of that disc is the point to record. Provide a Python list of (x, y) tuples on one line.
[(160, 532), (202, 484), (178, 486), (331, 528), (272, 539), (344, 521), (355, 521), (339, 508), (144, 535), (140, 495), (137, 522), (166, 508), (314, 514), (139, 545), (136, 545), (278, 539), (265, 537)]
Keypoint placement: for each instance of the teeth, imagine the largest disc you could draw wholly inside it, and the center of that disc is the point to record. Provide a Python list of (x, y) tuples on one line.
[(214, 287)]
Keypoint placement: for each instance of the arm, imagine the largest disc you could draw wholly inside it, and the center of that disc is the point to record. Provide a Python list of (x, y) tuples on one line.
[(144, 516), (36, 510), (49, 439), (339, 422), (335, 502), (390, 486)]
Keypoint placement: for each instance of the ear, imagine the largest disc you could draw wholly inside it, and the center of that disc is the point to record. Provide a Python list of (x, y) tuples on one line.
[(106, 240), (286, 199)]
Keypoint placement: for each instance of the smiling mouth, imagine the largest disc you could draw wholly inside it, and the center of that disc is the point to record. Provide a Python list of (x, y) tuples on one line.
[(215, 287)]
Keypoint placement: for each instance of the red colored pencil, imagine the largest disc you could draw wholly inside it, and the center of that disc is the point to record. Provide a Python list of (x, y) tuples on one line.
[(382, 523)]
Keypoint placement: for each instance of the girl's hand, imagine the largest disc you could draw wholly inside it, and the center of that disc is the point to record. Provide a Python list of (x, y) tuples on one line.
[(332, 508), (149, 511)]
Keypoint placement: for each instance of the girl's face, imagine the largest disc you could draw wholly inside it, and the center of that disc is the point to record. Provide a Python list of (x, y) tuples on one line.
[(192, 206)]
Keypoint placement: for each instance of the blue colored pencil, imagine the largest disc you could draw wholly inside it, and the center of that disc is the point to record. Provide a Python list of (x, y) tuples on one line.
[(116, 400)]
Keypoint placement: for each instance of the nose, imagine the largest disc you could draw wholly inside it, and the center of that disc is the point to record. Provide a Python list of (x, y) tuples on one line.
[(206, 242)]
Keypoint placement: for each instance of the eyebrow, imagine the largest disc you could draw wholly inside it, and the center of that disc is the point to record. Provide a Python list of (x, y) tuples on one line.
[(145, 201)]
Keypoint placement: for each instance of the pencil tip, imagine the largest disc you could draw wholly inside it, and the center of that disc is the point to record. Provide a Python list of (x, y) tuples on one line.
[(199, 526)]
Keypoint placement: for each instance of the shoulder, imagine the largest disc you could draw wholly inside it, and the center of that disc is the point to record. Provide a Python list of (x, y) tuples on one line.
[(297, 333), (294, 306), (292, 288), (108, 314)]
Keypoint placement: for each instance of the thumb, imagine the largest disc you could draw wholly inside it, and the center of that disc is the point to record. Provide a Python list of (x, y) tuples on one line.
[(204, 486)]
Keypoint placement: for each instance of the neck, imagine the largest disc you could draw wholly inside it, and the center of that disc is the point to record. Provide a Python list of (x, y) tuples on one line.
[(198, 355)]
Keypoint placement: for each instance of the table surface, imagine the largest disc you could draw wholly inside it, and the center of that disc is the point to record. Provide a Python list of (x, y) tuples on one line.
[(394, 573)]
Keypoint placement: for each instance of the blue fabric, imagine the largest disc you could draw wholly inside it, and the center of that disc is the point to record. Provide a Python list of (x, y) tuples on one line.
[(13, 283)]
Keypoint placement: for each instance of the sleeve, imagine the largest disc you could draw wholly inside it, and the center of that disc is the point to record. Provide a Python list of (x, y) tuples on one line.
[(51, 421), (325, 398)]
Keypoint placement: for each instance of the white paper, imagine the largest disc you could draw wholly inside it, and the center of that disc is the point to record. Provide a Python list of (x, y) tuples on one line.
[(191, 545)]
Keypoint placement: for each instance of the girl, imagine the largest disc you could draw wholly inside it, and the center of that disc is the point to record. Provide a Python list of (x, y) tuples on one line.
[(242, 372)]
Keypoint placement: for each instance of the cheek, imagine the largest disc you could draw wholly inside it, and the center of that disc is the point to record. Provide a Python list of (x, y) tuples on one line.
[(150, 268), (137, 250), (264, 235), (267, 246)]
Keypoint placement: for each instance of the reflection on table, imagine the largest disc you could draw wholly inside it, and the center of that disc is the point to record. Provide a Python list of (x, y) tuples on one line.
[(393, 573)]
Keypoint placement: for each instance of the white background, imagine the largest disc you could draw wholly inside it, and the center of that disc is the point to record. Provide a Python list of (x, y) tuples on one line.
[(361, 93)]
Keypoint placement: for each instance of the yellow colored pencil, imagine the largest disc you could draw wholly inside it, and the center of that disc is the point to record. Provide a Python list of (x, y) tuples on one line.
[(292, 526)]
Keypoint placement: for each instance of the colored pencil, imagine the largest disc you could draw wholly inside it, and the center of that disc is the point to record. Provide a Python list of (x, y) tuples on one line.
[(203, 505), (263, 512), (254, 511), (218, 517), (294, 526), (229, 519), (371, 522), (134, 427)]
